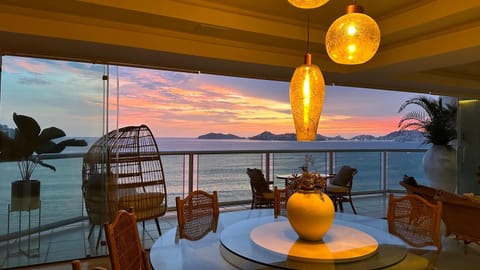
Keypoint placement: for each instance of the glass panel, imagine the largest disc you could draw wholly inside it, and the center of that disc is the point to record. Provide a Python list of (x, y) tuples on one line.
[(368, 164), (292, 163), (401, 163), (173, 167), (227, 174), (62, 94)]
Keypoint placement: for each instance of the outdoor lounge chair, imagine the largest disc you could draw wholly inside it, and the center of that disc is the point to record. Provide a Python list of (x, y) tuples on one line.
[(339, 188), (123, 169), (262, 195), (460, 214)]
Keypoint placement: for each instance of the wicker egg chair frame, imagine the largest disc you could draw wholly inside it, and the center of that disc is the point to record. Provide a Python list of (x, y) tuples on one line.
[(123, 170)]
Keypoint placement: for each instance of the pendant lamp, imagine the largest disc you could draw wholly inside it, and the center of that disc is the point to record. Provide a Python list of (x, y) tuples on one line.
[(353, 38), (307, 92), (307, 4)]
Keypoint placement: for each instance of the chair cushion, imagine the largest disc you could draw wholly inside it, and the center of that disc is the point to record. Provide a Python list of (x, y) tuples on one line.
[(337, 189), (145, 205), (344, 176), (267, 195)]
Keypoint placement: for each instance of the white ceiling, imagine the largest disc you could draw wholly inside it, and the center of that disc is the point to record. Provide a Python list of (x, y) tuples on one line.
[(427, 45)]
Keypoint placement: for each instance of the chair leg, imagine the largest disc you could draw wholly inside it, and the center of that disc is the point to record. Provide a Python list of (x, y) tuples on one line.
[(351, 204), (334, 200), (90, 231), (99, 236), (158, 226), (340, 204)]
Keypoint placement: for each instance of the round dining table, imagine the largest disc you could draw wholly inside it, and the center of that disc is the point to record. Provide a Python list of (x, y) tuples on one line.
[(254, 239)]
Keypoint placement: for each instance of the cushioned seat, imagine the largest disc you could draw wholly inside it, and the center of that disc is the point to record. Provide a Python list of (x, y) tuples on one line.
[(145, 204), (339, 188)]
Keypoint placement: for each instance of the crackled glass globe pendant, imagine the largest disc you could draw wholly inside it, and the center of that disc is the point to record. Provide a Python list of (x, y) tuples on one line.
[(307, 4), (353, 38)]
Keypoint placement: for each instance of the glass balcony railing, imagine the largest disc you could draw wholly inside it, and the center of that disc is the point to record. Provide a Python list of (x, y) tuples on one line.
[(379, 171)]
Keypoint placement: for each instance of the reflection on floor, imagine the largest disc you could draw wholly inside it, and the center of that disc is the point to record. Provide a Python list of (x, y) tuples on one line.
[(67, 243)]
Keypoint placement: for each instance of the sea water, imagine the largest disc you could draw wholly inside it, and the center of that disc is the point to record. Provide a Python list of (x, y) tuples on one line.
[(61, 195)]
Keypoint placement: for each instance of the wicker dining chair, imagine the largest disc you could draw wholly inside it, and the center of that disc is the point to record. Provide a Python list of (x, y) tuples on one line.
[(417, 222), (124, 245), (339, 187), (262, 195), (76, 265), (281, 196), (124, 169), (197, 214)]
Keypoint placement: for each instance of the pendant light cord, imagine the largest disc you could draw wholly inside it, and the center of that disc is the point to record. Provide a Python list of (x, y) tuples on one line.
[(308, 33)]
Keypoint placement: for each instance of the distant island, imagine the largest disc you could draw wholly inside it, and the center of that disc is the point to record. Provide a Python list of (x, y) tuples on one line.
[(396, 136), (219, 136)]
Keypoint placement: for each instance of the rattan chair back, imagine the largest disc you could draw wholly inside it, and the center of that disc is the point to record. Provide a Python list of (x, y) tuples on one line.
[(415, 220), (124, 245), (281, 196), (197, 214)]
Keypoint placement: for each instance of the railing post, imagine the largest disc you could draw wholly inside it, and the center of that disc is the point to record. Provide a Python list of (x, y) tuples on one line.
[(384, 171), (190, 173), (330, 162), (267, 166)]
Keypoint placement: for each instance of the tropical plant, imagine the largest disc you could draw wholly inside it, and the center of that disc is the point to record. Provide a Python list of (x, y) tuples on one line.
[(437, 121), (30, 142), (308, 181)]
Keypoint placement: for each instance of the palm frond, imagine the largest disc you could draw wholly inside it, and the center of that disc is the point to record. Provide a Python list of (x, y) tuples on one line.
[(438, 122)]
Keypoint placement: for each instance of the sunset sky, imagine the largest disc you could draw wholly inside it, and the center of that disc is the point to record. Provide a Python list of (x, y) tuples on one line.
[(174, 104)]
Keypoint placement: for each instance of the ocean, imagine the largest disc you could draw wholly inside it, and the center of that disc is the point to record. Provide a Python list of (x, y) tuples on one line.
[(61, 196)]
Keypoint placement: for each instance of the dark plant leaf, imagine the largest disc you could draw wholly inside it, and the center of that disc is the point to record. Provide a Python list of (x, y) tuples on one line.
[(51, 133), (27, 126), (46, 165), (51, 147)]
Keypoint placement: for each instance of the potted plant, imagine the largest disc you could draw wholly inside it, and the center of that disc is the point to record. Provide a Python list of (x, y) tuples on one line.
[(310, 211), (437, 122), (26, 147)]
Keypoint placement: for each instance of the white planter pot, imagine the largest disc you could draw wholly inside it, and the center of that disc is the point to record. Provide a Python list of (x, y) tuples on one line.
[(440, 167)]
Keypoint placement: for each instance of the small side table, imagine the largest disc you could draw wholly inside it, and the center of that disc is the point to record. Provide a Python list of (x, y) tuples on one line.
[(28, 226)]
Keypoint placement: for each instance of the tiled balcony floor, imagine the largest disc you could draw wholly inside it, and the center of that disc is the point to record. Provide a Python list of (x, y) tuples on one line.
[(70, 242)]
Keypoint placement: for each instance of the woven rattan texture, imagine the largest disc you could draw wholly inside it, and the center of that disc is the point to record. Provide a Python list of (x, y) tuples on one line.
[(124, 245), (123, 169), (281, 198), (415, 220), (460, 214), (197, 214)]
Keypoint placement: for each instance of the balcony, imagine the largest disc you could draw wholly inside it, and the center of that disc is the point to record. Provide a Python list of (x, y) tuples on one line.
[(63, 228)]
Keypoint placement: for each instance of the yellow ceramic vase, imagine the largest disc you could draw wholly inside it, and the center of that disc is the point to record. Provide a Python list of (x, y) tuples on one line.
[(310, 213)]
